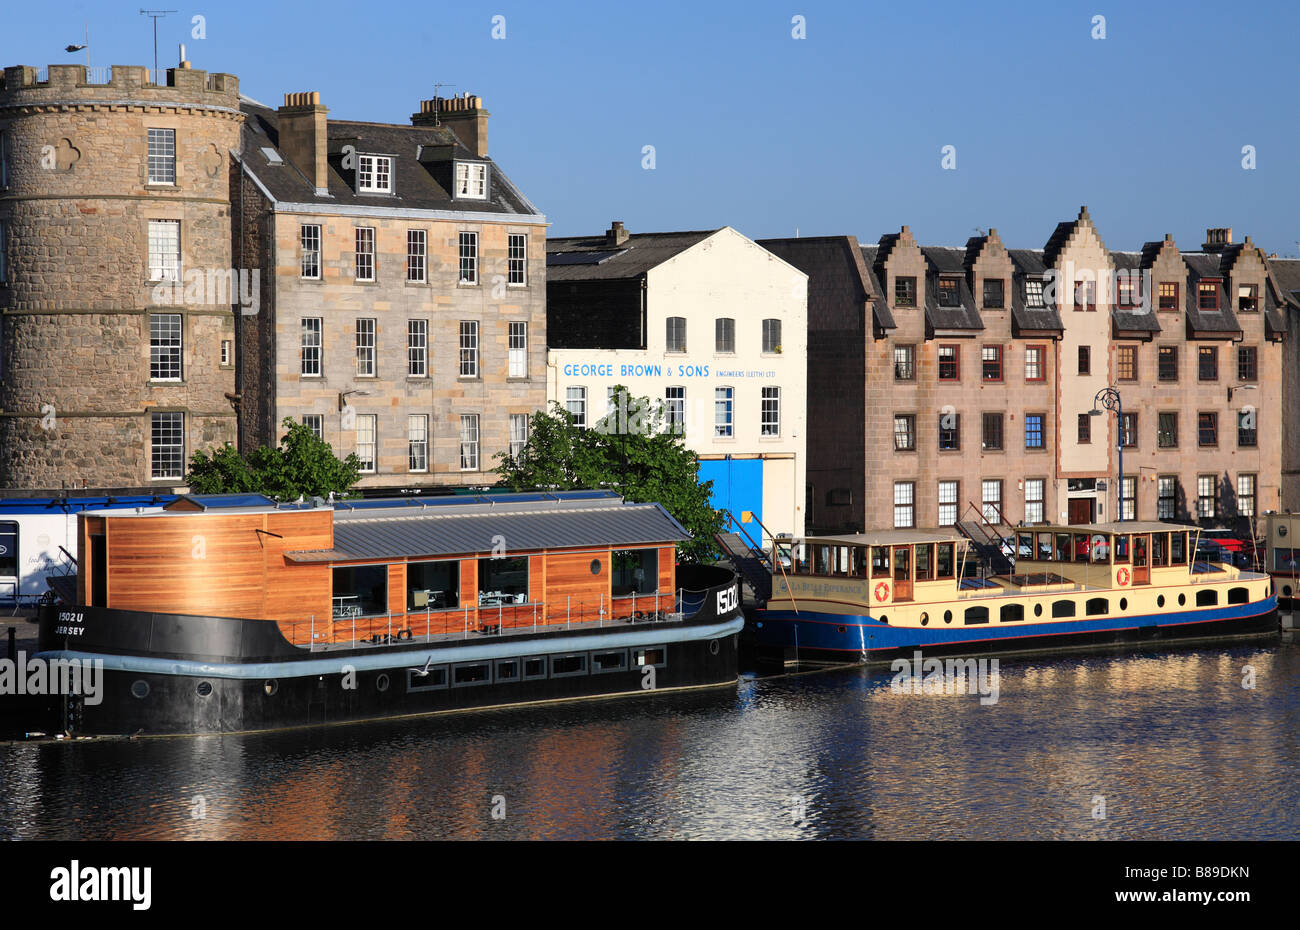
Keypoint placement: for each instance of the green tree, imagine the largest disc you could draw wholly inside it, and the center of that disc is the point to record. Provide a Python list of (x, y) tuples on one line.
[(630, 451), (303, 465)]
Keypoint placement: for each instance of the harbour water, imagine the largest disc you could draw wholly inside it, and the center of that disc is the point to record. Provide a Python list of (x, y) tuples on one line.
[(1119, 746)]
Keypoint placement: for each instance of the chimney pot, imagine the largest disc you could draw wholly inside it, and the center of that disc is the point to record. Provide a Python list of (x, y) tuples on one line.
[(616, 234), (1217, 239), (303, 136)]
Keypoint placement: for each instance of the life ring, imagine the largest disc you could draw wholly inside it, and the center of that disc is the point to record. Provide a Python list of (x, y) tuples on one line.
[(882, 591), (1122, 576)]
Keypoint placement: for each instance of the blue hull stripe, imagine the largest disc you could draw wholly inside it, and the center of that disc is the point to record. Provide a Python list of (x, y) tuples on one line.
[(820, 630), (406, 658)]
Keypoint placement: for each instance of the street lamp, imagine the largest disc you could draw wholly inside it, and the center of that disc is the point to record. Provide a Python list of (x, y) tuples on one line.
[(1109, 398)]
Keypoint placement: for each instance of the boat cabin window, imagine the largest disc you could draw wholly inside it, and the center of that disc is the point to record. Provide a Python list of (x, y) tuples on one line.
[(925, 562), (1062, 609), (945, 561), (1080, 547), (1121, 549), (799, 559), (842, 557), (360, 590), (1024, 545), (976, 615), (1159, 549), (1097, 606), (1062, 547), (902, 563), (1044, 551), (1177, 548), (432, 585), (503, 581), (879, 561), (821, 560), (634, 571), (1012, 612), (859, 561)]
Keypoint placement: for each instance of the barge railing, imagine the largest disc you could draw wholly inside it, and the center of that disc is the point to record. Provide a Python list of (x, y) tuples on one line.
[(470, 621)]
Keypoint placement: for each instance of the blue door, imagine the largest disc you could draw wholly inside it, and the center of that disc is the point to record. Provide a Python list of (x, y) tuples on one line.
[(737, 484)]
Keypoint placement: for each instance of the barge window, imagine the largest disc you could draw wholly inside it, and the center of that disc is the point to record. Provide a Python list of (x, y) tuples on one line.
[(1062, 547), (534, 668), (859, 562), (945, 562), (879, 561), (1025, 545), (432, 585), (361, 590), (821, 560), (1238, 596), (636, 571), (1121, 549), (608, 661), (1080, 547), (651, 655), (1012, 612), (508, 670), (1063, 609), (9, 549), (1285, 560), (842, 561), (1178, 548), (1044, 551), (1097, 606), (480, 673), (976, 615), (1159, 549), (436, 679), (503, 581), (565, 666), (1207, 598), (925, 561)]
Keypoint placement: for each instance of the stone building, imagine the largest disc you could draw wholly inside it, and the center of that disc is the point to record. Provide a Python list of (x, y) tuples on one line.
[(977, 370), (402, 313), (711, 325), (114, 365)]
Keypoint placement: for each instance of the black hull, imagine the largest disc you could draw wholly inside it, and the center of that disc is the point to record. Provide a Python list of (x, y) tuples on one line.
[(1263, 626), (172, 675)]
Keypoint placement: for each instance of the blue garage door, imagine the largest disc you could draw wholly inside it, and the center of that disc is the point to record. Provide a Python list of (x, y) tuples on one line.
[(737, 484)]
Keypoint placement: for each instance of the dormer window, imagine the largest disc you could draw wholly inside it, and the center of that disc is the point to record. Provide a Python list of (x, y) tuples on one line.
[(374, 174), (471, 180), (1248, 298), (949, 292), (1207, 293), (1128, 286), (1034, 292)]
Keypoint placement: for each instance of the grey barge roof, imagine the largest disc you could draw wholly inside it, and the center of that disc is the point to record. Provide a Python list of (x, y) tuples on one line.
[(478, 528)]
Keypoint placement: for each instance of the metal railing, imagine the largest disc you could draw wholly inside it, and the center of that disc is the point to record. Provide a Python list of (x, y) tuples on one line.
[(497, 620)]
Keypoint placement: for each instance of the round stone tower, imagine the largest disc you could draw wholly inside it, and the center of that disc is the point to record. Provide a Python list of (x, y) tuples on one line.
[(117, 289)]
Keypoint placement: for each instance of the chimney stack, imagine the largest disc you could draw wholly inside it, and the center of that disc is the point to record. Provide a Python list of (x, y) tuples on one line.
[(463, 115), (1216, 240), (616, 234), (303, 137)]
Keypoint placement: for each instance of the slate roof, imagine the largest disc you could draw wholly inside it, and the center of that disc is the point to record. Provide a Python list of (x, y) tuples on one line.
[(835, 269), (415, 184), (1222, 321), (634, 257), (1133, 320), (1283, 296), (948, 263), (1029, 263), (473, 529)]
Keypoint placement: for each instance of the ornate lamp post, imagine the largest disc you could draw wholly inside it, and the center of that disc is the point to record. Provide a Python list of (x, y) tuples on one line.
[(1109, 398)]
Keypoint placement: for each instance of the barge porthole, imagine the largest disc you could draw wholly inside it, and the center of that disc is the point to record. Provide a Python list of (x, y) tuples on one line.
[(925, 618), (947, 616), (382, 682), (1038, 610), (1160, 601), (1182, 599), (595, 566), (204, 688), (713, 647), (884, 619), (271, 686), (1123, 603), (841, 629), (140, 689)]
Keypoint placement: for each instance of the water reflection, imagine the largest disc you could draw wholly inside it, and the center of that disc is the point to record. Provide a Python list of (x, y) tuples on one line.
[(1173, 743)]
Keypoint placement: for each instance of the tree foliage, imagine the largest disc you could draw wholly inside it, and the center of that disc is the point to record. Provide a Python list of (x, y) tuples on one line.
[(630, 451), (302, 465)]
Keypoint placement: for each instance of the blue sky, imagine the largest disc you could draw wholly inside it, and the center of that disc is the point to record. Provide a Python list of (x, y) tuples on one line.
[(840, 132)]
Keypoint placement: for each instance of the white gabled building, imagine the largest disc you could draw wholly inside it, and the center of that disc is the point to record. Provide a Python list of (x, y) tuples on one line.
[(708, 322)]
